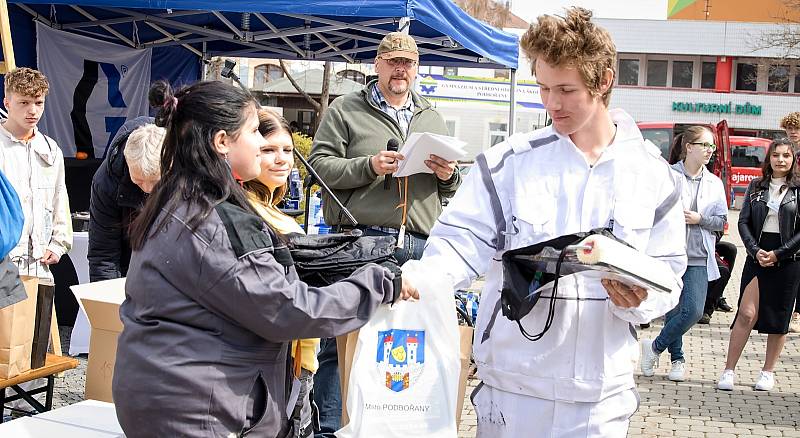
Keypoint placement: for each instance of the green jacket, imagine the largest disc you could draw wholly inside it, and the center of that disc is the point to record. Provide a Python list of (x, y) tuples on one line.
[(354, 129)]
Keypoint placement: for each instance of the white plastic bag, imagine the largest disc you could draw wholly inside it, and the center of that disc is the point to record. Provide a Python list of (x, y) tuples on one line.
[(404, 377)]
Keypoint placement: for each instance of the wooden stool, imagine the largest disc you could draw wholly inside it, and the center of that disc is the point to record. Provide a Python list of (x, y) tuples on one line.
[(53, 365)]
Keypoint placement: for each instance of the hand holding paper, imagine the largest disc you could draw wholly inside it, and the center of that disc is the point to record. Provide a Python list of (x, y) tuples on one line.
[(420, 146)]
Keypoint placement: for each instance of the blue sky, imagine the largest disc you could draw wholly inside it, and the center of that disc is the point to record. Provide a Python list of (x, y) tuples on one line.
[(650, 9)]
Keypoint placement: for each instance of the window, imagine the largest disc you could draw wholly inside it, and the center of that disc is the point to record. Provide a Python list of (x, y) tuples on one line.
[(661, 137), (451, 127), (353, 75), (797, 82), (748, 156), (264, 74), (682, 73), (451, 71), (497, 133), (778, 79), (305, 121), (746, 77), (501, 73), (628, 72), (708, 77), (656, 73)]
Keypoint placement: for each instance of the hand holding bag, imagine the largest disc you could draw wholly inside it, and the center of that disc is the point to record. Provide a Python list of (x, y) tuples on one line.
[(405, 371)]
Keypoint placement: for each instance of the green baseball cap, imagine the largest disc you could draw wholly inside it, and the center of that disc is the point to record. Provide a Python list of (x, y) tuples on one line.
[(398, 45)]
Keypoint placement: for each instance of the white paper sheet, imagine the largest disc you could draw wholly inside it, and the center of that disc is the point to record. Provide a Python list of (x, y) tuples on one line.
[(420, 146)]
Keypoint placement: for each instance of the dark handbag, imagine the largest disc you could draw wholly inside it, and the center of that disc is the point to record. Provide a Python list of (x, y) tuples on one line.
[(323, 259), (522, 276)]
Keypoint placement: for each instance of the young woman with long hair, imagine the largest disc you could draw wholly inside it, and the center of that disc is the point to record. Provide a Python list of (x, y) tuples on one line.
[(768, 225), (265, 192), (212, 297), (705, 212)]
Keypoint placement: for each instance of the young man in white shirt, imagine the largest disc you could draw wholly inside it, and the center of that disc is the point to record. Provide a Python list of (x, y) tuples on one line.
[(590, 169), (34, 165)]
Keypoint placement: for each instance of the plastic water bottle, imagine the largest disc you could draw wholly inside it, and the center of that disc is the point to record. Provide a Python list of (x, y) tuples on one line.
[(314, 212), (295, 184)]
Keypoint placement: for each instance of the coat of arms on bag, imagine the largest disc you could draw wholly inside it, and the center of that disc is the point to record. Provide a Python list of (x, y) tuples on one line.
[(401, 357)]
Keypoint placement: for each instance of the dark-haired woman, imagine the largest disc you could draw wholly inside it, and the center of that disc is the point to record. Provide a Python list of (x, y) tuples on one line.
[(212, 298), (768, 226)]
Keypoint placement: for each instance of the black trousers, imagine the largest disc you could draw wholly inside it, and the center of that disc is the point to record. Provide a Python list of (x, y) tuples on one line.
[(726, 251)]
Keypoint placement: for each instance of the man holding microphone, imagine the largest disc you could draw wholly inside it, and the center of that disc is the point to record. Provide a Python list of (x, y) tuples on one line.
[(355, 153)]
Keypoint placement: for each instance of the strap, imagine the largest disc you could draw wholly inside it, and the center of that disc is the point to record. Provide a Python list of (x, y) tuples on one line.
[(298, 359)]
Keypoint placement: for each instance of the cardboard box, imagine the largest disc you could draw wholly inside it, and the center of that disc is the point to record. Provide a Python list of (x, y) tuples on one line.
[(101, 302)]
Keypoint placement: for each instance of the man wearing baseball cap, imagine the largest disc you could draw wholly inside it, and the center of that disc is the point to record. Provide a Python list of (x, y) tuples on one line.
[(350, 154)]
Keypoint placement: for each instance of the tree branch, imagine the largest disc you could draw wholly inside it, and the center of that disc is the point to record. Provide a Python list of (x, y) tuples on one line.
[(297, 87)]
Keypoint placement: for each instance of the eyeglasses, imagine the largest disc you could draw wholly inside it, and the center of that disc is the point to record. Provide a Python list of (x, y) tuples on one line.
[(707, 146), (401, 62)]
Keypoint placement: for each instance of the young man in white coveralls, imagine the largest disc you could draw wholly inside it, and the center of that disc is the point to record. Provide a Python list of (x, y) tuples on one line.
[(590, 169)]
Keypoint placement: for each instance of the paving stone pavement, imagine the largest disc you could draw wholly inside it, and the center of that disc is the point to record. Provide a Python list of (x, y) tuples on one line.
[(693, 408)]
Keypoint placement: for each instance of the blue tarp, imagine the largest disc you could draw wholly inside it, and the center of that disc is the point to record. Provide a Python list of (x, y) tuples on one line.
[(436, 24)]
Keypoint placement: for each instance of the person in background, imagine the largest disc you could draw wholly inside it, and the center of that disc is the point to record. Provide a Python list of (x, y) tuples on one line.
[(590, 169), (349, 153), (726, 258), (705, 212), (790, 124), (212, 298), (34, 165), (265, 192), (769, 229), (129, 172)]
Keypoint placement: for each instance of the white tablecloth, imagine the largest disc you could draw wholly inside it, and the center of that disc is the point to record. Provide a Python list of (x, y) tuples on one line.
[(79, 340), (87, 419)]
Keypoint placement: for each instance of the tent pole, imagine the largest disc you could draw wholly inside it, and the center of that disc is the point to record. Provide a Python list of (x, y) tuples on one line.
[(204, 64), (512, 103)]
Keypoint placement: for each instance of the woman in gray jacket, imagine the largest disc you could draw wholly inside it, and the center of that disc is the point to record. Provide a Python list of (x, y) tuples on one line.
[(212, 298)]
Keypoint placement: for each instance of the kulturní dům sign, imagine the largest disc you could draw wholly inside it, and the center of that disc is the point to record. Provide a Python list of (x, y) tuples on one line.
[(719, 108)]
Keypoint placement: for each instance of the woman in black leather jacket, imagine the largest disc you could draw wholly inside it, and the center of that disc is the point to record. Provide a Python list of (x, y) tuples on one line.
[(768, 225)]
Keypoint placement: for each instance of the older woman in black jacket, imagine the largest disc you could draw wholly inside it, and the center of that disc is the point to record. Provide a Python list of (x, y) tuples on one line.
[(768, 225)]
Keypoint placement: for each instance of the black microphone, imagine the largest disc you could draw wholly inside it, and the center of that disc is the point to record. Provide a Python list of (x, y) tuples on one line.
[(391, 145)]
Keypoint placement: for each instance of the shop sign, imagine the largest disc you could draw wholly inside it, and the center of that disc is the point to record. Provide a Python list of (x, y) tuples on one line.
[(438, 87), (720, 108)]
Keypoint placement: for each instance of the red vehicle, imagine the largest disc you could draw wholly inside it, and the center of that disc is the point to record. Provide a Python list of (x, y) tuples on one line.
[(662, 133), (747, 154)]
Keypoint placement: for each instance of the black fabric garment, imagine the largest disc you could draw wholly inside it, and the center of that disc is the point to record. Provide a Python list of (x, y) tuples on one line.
[(754, 213), (726, 258), (323, 259), (776, 289), (11, 289), (115, 202)]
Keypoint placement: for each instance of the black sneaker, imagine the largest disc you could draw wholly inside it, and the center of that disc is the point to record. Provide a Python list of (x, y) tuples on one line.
[(723, 305), (705, 319)]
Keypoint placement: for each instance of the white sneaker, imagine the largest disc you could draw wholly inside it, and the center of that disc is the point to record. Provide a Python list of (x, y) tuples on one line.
[(678, 371), (766, 380), (649, 358), (794, 324), (726, 380)]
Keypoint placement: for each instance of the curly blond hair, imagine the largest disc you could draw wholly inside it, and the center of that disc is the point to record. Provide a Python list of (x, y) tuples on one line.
[(573, 41), (26, 82), (791, 120)]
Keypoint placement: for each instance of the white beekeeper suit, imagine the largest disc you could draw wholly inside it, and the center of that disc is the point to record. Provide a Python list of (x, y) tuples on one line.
[(578, 379)]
